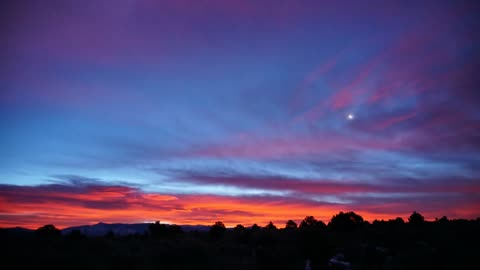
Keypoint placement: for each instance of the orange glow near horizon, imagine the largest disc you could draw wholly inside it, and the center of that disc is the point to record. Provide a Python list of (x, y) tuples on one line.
[(31, 209)]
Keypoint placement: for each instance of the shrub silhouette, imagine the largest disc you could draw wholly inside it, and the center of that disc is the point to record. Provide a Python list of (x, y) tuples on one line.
[(442, 220), (156, 229), (48, 231), (310, 223), (218, 229), (239, 228), (346, 221), (399, 221), (291, 225), (255, 227), (416, 218), (162, 230), (312, 240), (270, 226)]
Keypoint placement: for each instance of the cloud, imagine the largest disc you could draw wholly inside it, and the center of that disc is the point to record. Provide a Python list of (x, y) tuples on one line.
[(33, 206), (336, 187)]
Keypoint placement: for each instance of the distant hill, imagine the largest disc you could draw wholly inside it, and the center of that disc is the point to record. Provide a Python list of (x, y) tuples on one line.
[(16, 230), (100, 229)]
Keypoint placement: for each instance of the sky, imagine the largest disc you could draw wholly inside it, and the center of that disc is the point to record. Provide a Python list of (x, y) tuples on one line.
[(242, 111)]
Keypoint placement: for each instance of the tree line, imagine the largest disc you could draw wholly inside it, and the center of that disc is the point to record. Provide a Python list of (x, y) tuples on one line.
[(343, 221), (347, 241)]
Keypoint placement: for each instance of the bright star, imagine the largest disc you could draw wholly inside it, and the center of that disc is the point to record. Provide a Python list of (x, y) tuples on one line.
[(350, 116)]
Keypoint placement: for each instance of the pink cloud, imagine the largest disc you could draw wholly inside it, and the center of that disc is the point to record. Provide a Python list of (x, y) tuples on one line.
[(394, 120), (33, 207)]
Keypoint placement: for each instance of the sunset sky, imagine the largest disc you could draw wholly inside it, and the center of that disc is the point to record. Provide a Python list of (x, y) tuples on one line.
[(243, 111)]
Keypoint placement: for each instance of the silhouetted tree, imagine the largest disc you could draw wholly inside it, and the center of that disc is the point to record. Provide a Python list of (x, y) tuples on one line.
[(157, 229), (311, 240), (346, 221), (399, 220), (255, 227), (291, 225), (442, 220), (396, 222), (416, 218), (239, 228), (162, 230), (48, 231), (270, 226), (218, 229), (309, 223), (377, 222)]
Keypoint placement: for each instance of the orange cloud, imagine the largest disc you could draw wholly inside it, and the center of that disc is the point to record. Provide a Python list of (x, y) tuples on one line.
[(64, 206)]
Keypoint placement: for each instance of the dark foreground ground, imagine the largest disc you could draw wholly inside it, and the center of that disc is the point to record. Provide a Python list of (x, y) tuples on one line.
[(382, 245)]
